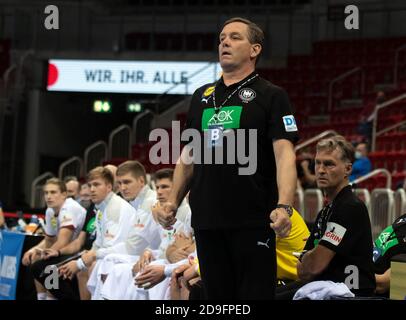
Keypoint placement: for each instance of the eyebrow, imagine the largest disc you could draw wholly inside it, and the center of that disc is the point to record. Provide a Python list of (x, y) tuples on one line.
[(231, 34), (325, 161)]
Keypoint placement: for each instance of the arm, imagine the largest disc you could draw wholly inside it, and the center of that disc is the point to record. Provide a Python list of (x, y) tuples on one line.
[(63, 238), (285, 159), (181, 180), (72, 248), (383, 282), (75, 245), (35, 252), (70, 269), (314, 262), (135, 239), (286, 176)]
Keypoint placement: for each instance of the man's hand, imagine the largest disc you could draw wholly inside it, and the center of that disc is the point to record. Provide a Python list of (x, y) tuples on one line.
[(281, 223), (150, 276), (177, 255), (155, 209), (31, 255), (182, 240), (88, 257), (144, 260), (175, 284), (49, 253), (190, 274), (166, 217), (305, 164), (69, 270)]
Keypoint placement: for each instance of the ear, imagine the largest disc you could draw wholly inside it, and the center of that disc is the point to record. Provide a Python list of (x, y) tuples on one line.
[(255, 50), (348, 169)]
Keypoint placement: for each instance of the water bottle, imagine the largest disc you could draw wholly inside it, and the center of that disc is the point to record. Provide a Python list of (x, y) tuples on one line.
[(21, 226), (33, 225)]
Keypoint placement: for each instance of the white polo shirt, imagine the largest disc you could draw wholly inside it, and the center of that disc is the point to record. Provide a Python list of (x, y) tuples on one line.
[(72, 215)]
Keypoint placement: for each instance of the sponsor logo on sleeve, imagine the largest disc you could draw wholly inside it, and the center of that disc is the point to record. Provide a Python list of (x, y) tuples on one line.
[(207, 94), (54, 222), (334, 233), (290, 123), (208, 91)]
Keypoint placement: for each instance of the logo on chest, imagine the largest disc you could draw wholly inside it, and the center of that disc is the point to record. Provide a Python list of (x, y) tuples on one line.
[(246, 95)]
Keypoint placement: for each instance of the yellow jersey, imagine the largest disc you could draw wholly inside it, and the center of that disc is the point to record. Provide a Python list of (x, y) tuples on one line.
[(295, 242)]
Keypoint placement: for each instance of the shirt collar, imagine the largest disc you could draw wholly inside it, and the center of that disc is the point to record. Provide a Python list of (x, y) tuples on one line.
[(102, 205), (343, 192), (221, 81), (140, 197)]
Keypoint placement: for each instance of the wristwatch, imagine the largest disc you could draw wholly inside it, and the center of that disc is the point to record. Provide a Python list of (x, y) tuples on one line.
[(288, 208)]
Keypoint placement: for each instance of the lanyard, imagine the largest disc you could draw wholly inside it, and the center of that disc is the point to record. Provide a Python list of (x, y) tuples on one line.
[(217, 109), (324, 218)]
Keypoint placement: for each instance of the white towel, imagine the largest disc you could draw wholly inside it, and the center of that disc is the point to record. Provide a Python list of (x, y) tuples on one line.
[(323, 290)]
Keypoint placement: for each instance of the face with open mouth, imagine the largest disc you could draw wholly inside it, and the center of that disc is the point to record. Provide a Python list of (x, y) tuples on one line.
[(235, 48)]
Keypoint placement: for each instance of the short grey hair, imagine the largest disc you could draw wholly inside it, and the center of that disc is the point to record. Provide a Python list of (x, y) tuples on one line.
[(338, 142)]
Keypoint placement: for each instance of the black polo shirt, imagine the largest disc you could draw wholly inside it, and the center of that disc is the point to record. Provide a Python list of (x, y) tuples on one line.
[(344, 227), (221, 197), (90, 227)]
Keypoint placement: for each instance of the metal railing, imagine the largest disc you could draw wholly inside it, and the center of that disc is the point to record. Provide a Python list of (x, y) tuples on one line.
[(299, 202), (314, 139), (94, 155), (374, 173), (167, 93), (382, 207), (400, 202), (120, 142), (396, 125), (339, 78), (71, 167), (313, 203), (37, 196), (375, 122), (365, 197), (396, 66), (136, 121)]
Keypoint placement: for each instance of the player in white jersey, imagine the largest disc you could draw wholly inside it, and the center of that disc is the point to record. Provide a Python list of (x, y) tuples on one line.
[(64, 220), (131, 178), (115, 219), (117, 282)]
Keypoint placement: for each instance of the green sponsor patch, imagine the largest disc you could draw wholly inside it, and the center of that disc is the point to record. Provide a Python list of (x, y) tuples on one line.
[(228, 117), (382, 241), (91, 225)]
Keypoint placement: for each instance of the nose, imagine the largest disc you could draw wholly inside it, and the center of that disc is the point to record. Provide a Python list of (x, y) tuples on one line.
[(320, 168), (225, 42)]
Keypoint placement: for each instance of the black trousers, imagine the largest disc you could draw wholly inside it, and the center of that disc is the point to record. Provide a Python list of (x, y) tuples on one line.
[(67, 289), (238, 264)]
